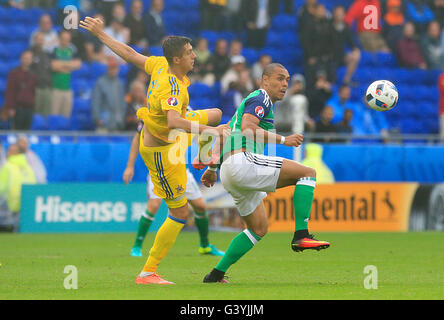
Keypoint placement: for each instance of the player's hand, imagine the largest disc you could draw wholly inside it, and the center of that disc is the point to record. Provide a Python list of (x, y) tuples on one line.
[(93, 25), (209, 178), (294, 140), (128, 175), (224, 130)]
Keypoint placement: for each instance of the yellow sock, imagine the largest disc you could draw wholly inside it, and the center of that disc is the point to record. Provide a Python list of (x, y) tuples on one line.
[(165, 238)]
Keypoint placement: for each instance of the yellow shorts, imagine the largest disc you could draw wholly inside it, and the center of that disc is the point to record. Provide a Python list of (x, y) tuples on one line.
[(166, 165)]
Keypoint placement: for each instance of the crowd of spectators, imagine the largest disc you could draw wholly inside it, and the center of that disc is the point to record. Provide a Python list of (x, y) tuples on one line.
[(317, 100)]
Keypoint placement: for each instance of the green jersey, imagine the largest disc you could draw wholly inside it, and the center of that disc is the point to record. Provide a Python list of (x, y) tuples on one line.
[(258, 104)]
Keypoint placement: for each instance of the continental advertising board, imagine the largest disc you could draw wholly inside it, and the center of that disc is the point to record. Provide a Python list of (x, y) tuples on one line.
[(363, 207)]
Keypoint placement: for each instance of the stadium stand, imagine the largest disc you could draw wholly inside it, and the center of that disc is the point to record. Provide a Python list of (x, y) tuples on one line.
[(417, 88)]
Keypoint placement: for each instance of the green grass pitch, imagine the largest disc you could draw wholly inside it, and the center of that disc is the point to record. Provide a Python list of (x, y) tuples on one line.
[(409, 266)]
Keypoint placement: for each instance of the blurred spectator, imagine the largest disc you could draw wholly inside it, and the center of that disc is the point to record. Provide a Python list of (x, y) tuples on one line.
[(344, 126), (292, 112), (117, 30), (94, 48), (41, 67), (256, 16), (340, 102), (18, 4), (118, 13), (106, 7), (230, 101), (212, 12), (202, 56), (219, 62), (64, 61), (394, 21), (135, 99), (368, 24), (258, 69), (20, 94), (317, 46), (13, 175), (33, 160), (78, 41), (343, 39), (51, 38), (234, 74), (431, 46), (275, 6), (313, 159), (418, 12), (305, 16), (441, 105), (108, 100), (233, 19), (408, 49), (318, 94), (236, 47), (155, 26), (136, 24), (324, 125), (437, 7)]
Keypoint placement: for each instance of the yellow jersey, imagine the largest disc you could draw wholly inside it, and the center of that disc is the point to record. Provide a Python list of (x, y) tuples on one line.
[(165, 92)]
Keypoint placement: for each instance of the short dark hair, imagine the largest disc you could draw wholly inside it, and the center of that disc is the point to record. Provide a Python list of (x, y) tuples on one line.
[(269, 69), (173, 46)]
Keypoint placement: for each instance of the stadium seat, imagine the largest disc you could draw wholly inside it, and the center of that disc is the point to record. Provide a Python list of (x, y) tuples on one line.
[(156, 51), (39, 122), (58, 122), (200, 90), (97, 69), (251, 55)]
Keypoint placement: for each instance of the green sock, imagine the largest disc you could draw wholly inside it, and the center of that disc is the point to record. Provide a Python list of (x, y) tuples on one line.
[(239, 246), (302, 200), (144, 224), (202, 223)]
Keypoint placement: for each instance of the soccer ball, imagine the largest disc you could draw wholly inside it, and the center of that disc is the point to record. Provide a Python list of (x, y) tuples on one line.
[(381, 95)]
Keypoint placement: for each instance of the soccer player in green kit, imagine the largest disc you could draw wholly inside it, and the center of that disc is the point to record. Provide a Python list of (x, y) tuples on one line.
[(247, 174)]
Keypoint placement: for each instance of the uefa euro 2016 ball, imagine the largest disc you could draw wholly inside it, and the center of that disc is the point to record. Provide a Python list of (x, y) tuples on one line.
[(381, 95)]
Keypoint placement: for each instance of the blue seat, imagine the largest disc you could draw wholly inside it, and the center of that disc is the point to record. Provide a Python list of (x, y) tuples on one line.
[(81, 106), (58, 122), (251, 54), (82, 73), (200, 90), (81, 122), (97, 69), (283, 22), (156, 51), (39, 122), (81, 87)]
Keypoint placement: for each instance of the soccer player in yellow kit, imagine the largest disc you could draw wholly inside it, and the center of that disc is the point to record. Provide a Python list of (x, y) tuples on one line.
[(167, 100)]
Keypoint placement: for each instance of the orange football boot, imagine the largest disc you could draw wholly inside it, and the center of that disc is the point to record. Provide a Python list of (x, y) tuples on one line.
[(152, 279), (309, 242)]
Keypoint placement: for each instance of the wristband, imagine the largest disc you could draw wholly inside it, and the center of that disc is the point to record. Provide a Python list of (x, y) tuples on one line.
[(282, 139), (212, 168)]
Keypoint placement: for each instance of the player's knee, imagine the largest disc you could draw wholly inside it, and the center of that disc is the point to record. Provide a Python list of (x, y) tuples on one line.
[(153, 206), (261, 231), (200, 209)]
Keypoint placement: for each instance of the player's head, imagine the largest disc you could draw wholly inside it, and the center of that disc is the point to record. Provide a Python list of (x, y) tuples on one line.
[(275, 79), (179, 52)]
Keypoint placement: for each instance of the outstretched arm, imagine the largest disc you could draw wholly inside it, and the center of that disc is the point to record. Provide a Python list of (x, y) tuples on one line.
[(250, 128), (95, 26)]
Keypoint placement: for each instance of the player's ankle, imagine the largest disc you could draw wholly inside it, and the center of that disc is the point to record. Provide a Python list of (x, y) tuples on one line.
[(300, 234)]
